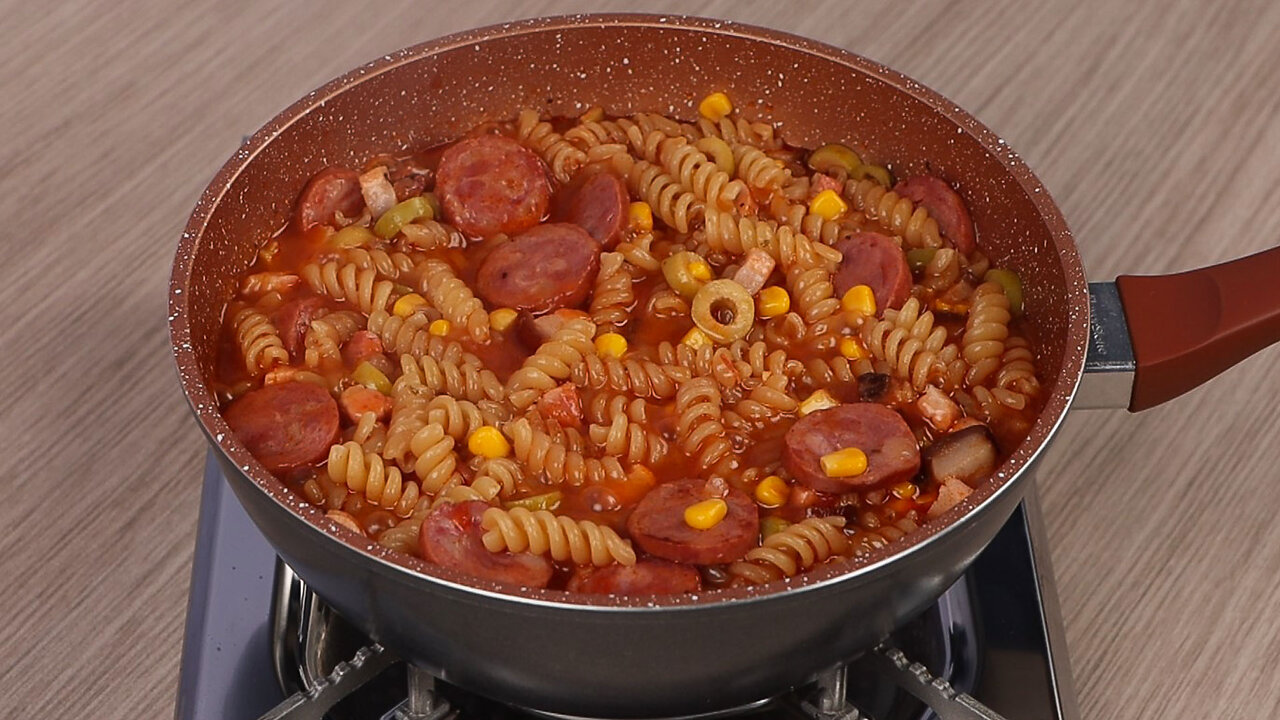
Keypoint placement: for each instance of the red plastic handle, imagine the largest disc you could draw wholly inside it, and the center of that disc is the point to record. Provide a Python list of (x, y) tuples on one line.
[(1188, 327)]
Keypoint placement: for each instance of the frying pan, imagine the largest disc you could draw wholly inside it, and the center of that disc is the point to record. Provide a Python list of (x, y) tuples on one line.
[(637, 657)]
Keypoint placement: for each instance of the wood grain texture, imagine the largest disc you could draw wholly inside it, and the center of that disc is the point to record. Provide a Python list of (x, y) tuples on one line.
[(1152, 123)]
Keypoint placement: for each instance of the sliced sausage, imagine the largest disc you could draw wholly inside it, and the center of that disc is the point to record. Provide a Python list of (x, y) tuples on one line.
[(550, 266), (646, 577), (292, 320), (492, 184), (657, 525), (876, 261), (946, 207), (364, 346), (357, 400), (600, 207), (286, 425), (881, 433), (451, 537), (330, 191), (562, 404)]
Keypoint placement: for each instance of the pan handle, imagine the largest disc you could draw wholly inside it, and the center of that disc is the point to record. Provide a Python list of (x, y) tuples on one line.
[(1187, 327)]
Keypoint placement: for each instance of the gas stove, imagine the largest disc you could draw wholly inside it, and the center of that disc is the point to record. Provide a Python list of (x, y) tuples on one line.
[(259, 644)]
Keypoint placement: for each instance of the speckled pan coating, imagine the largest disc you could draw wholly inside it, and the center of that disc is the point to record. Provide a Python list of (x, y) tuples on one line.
[(433, 92)]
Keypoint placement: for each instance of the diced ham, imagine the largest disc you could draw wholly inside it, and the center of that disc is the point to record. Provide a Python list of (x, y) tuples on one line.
[(358, 400), (755, 270), (379, 194), (563, 405)]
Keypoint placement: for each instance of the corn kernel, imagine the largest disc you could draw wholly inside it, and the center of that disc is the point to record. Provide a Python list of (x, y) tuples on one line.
[(706, 514), (772, 491), (773, 301), (852, 348), (502, 318), (488, 441), (859, 299), (640, 216), (715, 106), (439, 328), (828, 204), (819, 400), (611, 344), (408, 305), (696, 338), (905, 490), (844, 463), (700, 270)]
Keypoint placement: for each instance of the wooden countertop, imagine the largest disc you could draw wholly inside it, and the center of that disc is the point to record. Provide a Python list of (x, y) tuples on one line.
[(1153, 124)]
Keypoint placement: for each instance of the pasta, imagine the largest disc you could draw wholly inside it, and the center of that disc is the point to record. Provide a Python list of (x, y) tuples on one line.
[(366, 473), (260, 344), (360, 287), (565, 539), (899, 214), (798, 547), (627, 353), (564, 158), (454, 299)]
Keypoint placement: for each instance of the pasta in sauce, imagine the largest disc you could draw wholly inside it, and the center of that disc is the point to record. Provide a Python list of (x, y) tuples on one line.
[(628, 355)]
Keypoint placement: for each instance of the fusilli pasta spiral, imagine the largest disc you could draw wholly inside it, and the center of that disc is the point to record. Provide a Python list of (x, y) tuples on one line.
[(565, 539)]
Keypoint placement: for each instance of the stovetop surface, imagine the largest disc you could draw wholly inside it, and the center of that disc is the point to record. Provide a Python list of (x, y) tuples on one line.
[(996, 635)]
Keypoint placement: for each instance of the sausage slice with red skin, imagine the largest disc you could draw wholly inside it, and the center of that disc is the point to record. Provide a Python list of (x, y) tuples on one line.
[(881, 433), (332, 190), (451, 537), (876, 261), (646, 577), (285, 425), (657, 525), (492, 184), (600, 208), (547, 267), (945, 206), (292, 320)]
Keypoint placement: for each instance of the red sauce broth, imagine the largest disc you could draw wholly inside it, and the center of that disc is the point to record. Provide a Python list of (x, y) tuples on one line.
[(608, 503)]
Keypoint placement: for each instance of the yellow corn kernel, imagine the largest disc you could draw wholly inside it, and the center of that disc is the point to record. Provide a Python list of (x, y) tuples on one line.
[(706, 514), (502, 318), (695, 338), (819, 400), (852, 348), (488, 441), (772, 491), (700, 270), (859, 299), (371, 377), (715, 106), (844, 463), (611, 344), (773, 301), (408, 305), (905, 490), (828, 204), (439, 328), (640, 216)]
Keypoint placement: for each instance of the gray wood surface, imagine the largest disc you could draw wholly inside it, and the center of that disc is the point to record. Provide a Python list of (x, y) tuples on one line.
[(1154, 124)]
